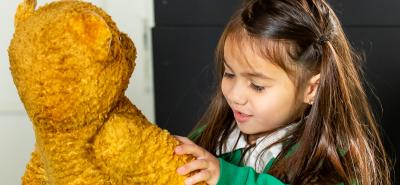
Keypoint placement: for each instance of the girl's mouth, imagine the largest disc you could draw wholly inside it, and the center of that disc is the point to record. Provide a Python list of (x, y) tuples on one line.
[(241, 117)]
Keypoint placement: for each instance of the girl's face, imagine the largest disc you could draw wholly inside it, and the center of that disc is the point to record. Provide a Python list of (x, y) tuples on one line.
[(260, 94)]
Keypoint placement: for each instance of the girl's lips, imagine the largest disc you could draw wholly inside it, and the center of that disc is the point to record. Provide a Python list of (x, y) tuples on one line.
[(240, 117)]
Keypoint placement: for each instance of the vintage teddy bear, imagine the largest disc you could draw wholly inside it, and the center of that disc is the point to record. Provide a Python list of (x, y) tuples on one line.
[(71, 66)]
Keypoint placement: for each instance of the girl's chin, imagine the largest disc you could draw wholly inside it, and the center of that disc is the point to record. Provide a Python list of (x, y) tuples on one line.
[(245, 129), (251, 131)]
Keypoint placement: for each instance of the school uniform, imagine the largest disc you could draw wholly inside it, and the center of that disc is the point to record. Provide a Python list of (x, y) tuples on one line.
[(249, 171)]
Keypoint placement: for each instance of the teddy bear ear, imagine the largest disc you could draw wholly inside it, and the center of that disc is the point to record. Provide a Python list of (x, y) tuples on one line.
[(24, 10), (92, 31)]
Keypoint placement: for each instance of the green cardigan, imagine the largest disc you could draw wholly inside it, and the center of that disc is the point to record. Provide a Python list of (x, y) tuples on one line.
[(233, 172)]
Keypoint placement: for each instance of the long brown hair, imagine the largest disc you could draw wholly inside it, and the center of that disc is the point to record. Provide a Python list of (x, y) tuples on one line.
[(340, 140)]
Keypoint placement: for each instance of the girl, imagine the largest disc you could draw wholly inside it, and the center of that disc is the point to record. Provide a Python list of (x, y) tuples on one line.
[(291, 107)]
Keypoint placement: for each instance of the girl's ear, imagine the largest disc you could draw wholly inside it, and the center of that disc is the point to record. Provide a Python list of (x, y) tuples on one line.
[(311, 89)]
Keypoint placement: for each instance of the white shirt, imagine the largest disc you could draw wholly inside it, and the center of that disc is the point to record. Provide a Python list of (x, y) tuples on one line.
[(250, 158)]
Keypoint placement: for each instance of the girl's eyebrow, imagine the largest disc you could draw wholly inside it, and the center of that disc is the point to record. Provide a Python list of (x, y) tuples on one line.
[(252, 75), (257, 75)]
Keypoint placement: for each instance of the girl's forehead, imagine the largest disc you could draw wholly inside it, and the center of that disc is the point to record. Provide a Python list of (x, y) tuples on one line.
[(244, 55)]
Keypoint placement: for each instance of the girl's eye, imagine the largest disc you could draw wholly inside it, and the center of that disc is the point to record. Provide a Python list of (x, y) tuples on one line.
[(228, 75), (257, 88)]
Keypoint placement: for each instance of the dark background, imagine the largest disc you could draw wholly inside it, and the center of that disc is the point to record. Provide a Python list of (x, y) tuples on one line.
[(187, 31)]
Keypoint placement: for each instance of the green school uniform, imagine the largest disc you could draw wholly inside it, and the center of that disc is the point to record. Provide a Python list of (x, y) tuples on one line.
[(233, 172)]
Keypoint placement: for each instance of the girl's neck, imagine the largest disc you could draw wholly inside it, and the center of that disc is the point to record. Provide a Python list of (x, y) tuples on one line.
[(252, 139)]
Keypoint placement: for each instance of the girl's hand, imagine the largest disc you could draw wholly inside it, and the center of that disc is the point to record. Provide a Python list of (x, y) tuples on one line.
[(206, 163)]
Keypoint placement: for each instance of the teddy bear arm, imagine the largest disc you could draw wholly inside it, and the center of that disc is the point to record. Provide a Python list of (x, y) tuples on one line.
[(130, 147)]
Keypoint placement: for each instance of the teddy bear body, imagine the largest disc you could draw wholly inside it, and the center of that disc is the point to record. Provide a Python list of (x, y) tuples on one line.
[(71, 67)]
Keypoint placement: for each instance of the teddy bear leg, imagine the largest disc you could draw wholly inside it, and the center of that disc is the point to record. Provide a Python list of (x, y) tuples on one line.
[(34, 173)]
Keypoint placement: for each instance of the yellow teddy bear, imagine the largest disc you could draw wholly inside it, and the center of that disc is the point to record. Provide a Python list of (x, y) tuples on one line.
[(71, 66)]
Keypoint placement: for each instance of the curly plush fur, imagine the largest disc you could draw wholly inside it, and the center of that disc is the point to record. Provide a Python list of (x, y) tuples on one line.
[(71, 66)]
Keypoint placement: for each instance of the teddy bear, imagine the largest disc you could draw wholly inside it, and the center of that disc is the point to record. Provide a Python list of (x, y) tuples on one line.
[(71, 66)]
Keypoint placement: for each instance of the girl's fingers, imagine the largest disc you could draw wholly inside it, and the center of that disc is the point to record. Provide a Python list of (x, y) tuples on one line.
[(184, 139), (203, 175), (190, 149), (192, 166)]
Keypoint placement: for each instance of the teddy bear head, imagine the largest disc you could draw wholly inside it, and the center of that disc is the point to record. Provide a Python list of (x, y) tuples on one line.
[(69, 62)]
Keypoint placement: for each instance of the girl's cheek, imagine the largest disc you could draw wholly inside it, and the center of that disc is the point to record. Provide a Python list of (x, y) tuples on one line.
[(224, 87)]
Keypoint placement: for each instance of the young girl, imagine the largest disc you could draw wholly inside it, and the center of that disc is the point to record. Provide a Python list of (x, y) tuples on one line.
[(291, 108)]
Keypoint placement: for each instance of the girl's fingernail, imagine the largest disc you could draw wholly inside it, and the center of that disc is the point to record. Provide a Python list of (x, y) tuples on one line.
[(180, 170), (178, 149)]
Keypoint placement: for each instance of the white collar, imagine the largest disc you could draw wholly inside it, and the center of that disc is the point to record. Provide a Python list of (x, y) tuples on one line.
[(250, 159)]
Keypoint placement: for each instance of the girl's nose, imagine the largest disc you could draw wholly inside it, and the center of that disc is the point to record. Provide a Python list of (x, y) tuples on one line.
[(238, 95), (239, 101)]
